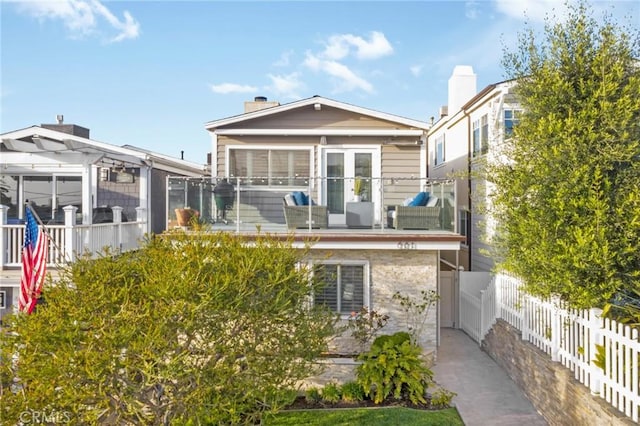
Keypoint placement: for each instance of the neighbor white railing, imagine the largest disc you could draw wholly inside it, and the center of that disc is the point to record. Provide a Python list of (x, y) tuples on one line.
[(69, 241), (574, 338)]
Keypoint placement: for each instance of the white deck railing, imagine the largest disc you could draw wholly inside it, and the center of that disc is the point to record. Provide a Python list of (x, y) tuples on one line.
[(69, 241), (574, 338)]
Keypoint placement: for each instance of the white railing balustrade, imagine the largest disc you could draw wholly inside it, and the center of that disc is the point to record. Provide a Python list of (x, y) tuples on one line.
[(70, 240)]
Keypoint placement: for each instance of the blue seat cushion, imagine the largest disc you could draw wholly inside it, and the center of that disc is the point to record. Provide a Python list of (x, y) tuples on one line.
[(420, 199), (300, 198)]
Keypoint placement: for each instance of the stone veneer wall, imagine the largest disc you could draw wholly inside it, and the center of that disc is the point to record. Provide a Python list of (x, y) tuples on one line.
[(407, 271), (549, 385)]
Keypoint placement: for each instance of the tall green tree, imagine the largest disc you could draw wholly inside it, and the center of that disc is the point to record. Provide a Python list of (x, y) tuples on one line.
[(567, 184), (192, 329)]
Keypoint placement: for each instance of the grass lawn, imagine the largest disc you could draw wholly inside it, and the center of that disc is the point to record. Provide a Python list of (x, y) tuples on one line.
[(391, 416)]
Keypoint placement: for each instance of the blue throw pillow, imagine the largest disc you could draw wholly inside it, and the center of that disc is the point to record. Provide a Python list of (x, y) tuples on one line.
[(420, 199), (299, 198)]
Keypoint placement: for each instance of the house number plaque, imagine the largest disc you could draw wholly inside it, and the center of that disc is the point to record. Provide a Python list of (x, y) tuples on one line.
[(407, 245)]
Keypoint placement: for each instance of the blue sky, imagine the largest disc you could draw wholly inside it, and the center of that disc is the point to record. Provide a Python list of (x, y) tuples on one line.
[(151, 73)]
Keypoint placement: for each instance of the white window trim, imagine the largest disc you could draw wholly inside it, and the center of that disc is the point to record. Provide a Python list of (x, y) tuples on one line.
[(366, 291)]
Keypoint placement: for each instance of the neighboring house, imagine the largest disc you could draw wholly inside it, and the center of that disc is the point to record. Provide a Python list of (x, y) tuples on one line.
[(467, 133), (57, 165), (319, 146)]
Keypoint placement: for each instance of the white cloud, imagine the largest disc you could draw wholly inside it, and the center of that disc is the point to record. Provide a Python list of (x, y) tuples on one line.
[(346, 80), (82, 17), (416, 70), (284, 60), (339, 46), (471, 10), (226, 88), (286, 85)]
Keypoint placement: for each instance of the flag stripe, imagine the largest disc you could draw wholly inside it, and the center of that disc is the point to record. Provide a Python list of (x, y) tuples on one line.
[(34, 263)]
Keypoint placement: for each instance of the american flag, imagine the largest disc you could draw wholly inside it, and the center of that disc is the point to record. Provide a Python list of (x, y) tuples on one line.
[(34, 263)]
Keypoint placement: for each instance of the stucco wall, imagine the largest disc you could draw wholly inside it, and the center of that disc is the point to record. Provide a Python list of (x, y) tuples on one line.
[(549, 386)]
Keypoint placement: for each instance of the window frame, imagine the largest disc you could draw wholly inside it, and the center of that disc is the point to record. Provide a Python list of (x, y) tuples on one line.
[(476, 138), (514, 120), (291, 181), (439, 157), (366, 284)]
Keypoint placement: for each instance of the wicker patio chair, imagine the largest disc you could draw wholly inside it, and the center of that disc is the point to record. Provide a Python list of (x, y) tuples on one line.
[(298, 216), (417, 217)]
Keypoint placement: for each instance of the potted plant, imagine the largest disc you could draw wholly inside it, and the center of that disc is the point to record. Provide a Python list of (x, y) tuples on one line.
[(185, 215), (358, 188)]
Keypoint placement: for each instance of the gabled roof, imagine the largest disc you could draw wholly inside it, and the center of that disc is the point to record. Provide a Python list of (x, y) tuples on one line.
[(212, 125), (40, 140)]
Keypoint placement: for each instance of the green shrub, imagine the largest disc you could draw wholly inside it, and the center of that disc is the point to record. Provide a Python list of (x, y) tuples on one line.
[(312, 395), (331, 393), (441, 398), (393, 367), (352, 392)]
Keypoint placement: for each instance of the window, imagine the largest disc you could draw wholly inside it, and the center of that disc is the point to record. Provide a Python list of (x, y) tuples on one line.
[(484, 133), (439, 150), (511, 118), (346, 286), (3, 299), (480, 135), (464, 225), (271, 167), (477, 143)]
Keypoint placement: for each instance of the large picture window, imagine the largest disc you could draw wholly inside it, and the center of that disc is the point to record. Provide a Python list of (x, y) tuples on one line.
[(270, 167), (345, 287)]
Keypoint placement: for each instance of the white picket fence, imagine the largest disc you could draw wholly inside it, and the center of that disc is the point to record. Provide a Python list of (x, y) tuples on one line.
[(570, 337)]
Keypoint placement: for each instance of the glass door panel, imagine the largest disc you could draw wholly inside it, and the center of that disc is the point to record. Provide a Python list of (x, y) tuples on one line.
[(335, 182)]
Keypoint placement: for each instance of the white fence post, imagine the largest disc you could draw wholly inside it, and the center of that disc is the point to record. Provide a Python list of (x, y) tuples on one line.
[(4, 235), (556, 331), (69, 240), (141, 216), (595, 339), (117, 220)]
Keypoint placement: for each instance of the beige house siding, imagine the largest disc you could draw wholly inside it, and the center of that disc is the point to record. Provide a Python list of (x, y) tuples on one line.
[(308, 118)]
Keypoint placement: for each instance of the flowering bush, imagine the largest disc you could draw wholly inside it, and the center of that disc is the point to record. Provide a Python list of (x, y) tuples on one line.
[(365, 324)]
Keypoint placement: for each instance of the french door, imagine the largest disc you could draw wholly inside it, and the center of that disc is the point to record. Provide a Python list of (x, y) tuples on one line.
[(340, 168)]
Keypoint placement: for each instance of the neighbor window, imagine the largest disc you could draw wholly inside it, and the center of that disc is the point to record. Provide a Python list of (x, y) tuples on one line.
[(511, 118), (484, 130), (439, 159), (477, 143), (270, 167), (480, 135), (464, 223), (345, 288)]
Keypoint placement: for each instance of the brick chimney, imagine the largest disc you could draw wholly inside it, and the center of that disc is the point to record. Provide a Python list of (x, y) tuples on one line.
[(258, 103), (70, 129)]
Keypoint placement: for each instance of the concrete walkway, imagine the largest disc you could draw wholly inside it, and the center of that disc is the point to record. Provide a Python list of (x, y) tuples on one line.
[(486, 394)]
